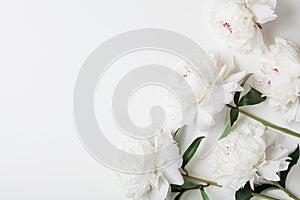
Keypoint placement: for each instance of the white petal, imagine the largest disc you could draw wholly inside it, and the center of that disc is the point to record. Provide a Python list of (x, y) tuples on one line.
[(173, 175), (218, 98), (160, 193), (252, 182), (189, 115), (298, 114), (271, 3), (276, 152), (228, 97), (237, 1), (269, 171), (236, 77), (259, 44), (232, 87), (263, 13), (291, 114), (205, 119), (225, 70), (222, 73)]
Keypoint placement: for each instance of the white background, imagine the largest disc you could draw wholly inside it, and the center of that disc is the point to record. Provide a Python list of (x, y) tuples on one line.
[(43, 45)]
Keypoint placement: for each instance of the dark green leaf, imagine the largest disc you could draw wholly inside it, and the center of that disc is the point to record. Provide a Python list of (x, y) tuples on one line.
[(179, 196), (204, 195), (186, 186), (251, 98), (295, 157), (175, 188), (238, 94), (185, 170), (244, 193), (191, 150), (234, 114), (178, 135), (190, 185), (226, 131), (236, 98), (245, 79), (264, 187)]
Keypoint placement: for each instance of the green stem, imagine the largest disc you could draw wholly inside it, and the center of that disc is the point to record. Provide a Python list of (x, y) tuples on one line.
[(263, 196), (285, 190), (201, 180), (269, 124)]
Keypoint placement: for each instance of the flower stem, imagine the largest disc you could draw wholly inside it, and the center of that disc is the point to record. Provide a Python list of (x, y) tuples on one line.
[(201, 180), (269, 124), (285, 190), (263, 196)]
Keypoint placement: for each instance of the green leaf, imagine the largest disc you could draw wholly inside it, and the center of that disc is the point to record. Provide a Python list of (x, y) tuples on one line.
[(190, 185), (295, 157), (191, 150), (204, 195), (244, 193), (175, 188), (186, 186), (236, 98), (234, 114), (251, 98), (226, 131), (238, 94), (245, 79), (179, 196), (264, 187), (178, 135)]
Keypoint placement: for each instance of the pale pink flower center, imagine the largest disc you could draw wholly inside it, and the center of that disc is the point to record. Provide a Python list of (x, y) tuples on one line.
[(269, 73), (228, 149), (187, 71), (227, 26)]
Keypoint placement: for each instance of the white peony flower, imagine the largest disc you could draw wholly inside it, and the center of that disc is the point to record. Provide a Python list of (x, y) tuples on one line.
[(156, 184), (237, 23), (281, 79), (213, 89), (248, 153)]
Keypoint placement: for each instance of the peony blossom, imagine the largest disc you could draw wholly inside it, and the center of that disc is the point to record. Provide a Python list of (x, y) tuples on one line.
[(238, 22), (281, 79), (155, 184), (248, 153), (213, 89)]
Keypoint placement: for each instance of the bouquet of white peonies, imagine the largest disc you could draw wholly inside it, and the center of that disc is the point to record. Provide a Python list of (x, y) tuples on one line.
[(248, 158)]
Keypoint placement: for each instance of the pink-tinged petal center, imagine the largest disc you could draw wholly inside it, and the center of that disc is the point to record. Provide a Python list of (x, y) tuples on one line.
[(269, 82), (227, 26), (228, 149), (270, 73), (187, 71), (276, 70)]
